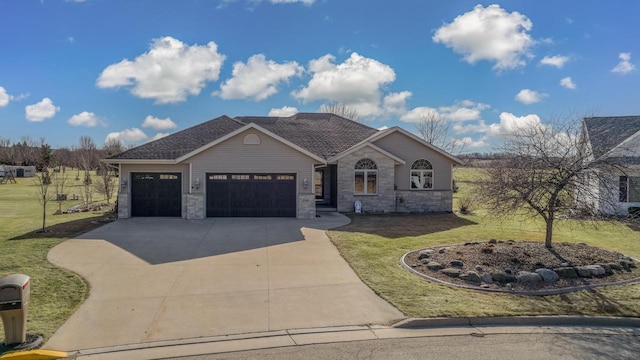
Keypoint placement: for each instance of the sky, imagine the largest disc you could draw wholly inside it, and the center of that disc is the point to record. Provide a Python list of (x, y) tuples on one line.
[(138, 70)]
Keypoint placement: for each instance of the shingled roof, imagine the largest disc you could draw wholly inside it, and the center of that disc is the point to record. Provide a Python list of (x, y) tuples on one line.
[(607, 133), (322, 134)]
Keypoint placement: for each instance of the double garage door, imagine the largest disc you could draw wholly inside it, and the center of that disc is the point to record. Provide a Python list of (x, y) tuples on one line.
[(251, 195), (228, 195)]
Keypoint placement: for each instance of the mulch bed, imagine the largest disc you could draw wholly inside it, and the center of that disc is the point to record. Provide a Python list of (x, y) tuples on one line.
[(514, 257)]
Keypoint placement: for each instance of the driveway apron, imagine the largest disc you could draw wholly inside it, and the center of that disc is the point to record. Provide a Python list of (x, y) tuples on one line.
[(155, 279)]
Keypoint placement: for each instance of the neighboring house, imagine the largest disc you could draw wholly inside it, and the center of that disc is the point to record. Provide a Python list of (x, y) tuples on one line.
[(615, 142), (283, 166), (18, 171)]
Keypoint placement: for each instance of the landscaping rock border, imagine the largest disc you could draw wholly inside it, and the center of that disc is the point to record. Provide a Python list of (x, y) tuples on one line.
[(479, 280)]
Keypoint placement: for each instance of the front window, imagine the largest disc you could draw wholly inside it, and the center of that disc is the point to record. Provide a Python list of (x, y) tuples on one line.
[(366, 177), (629, 188), (421, 175)]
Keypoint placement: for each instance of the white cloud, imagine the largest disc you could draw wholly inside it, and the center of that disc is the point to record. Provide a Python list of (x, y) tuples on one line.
[(160, 136), (169, 72), (557, 61), (396, 103), (127, 136), (624, 66), (491, 34), (509, 123), (85, 118), (528, 96), (284, 111), (4, 97), (158, 124), (469, 143), (43, 110), (460, 111), (306, 2), (568, 83), (357, 83), (258, 78)]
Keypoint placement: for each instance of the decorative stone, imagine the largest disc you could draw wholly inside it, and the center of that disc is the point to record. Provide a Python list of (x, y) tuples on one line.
[(478, 268), (607, 269), (503, 277), (456, 263), (625, 265), (493, 241), (526, 277), (441, 251), (508, 271), (425, 261), (423, 255), (583, 271), (485, 286), (452, 272), (549, 276), (566, 272), (470, 276), (615, 266), (432, 265), (564, 264), (487, 278), (596, 270)]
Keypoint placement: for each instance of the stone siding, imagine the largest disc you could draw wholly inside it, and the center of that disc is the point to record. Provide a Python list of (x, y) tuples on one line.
[(424, 201), (384, 200), (306, 206), (123, 205), (195, 206)]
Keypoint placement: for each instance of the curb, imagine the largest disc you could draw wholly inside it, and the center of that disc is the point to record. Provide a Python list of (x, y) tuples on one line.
[(408, 328), (600, 321)]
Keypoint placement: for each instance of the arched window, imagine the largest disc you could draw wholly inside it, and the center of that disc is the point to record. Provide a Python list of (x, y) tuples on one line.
[(366, 177), (421, 175)]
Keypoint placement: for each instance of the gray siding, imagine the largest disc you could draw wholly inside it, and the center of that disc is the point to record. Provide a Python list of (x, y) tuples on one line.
[(270, 156), (410, 150)]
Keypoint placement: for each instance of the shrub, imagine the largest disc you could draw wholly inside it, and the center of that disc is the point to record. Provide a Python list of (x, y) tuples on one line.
[(466, 205)]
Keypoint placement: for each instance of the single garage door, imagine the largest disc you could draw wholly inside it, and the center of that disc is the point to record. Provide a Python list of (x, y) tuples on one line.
[(251, 195), (156, 194)]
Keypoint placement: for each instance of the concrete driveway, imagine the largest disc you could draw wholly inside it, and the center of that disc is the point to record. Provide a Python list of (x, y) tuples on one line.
[(164, 279)]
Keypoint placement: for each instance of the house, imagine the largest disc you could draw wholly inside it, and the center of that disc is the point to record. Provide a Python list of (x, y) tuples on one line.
[(18, 171), (283, 166), (615, 142)]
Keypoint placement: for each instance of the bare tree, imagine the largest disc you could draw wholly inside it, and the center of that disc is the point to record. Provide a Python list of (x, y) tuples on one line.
[(43, 180), (7, 152), (436, 130), (88, 159), (541, 172), (106, 182), (341, 110)]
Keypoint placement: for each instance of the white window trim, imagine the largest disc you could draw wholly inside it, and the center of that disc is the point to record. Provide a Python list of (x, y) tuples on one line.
[(422, 175)]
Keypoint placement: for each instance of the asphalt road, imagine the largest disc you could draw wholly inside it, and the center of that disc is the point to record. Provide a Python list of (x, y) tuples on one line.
[(471, 347)]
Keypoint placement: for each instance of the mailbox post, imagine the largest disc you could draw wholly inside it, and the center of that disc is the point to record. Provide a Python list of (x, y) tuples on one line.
[(14, 307)]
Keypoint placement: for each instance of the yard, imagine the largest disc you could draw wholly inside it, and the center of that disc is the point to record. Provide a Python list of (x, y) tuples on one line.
[(55, 292), (373, 245)]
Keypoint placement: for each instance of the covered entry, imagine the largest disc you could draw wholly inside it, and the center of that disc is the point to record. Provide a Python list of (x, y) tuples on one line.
[(156, 194), (251, 195)]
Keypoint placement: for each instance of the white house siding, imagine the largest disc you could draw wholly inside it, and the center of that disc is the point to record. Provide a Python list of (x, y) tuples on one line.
[(270, 156), (384, 200), (610, 195), (124, 195)]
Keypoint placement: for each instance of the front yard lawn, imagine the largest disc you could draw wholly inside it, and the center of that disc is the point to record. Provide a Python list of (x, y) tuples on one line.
[(373, 245), (55, 293)]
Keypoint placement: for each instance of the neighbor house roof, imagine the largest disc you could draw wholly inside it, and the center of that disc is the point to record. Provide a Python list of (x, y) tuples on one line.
[(322, 134), (614, 137)]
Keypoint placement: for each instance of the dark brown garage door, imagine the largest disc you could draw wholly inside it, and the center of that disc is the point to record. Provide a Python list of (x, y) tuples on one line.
[(156, 194), (251, 195)]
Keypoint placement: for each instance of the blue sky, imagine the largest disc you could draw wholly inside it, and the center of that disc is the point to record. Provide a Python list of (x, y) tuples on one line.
[(138, 70)]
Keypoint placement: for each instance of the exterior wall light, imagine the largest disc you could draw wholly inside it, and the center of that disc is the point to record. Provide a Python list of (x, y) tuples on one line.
[(305, 183), (196, 184), (123, 184)]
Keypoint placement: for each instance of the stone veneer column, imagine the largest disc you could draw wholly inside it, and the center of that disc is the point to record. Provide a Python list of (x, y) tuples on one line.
[(195, 206), (306, 206), (123, 205)]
